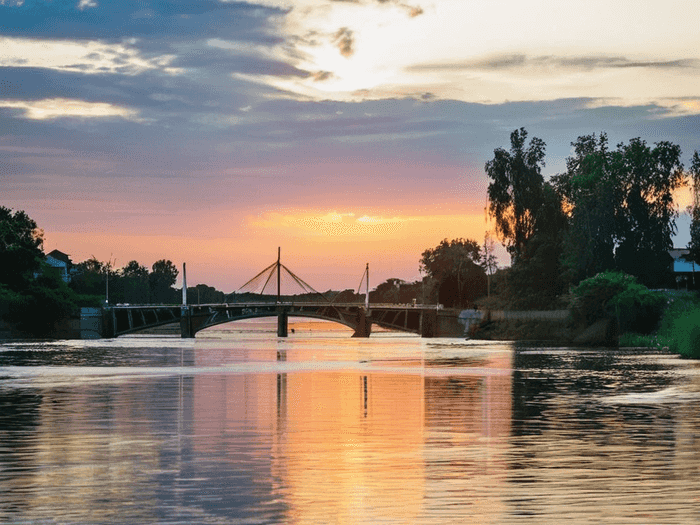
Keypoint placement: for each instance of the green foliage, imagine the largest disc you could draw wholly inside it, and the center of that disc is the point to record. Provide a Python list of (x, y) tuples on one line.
[(42, 303), (678, 303), (89, 278), (694, 244), (614, 294), (454, 271), (588, 191), (21, 252), (686, 334), (635, 340), (620, 205)]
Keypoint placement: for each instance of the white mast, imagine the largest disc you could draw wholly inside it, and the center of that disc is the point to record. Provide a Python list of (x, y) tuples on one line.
[(367, 289), (184, 284)]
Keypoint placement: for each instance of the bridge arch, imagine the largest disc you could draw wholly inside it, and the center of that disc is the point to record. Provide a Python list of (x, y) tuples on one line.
[(126, 319), (307, 315)]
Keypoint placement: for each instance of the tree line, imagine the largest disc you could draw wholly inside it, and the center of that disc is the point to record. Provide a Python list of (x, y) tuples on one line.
[(611, 210), (133, 283)]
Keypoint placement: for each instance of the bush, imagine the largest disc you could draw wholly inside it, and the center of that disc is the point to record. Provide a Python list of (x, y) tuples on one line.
[(615, 294), (685, 332)]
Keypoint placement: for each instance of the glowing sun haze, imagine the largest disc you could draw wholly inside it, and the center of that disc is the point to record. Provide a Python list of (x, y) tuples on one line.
[(211, 132)]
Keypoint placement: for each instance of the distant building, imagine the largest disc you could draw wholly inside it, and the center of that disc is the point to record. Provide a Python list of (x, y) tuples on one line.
[(685, 270), (62, 263)]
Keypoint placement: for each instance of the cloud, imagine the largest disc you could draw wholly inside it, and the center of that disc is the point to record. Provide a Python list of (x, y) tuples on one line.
[(563, 63), (84, 4), (88, 57), (343, 39), (330, 224), (370, 50), (60, 107)]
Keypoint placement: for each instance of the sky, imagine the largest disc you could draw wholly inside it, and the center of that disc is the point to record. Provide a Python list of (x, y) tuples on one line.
[(344, 132)]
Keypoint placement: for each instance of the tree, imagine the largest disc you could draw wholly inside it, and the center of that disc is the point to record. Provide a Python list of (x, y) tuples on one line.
[(135, 283), (454, 268), (620, 208), (89, 278), (646, 178), (21, 248), (161, 279), (694, 244), (387, 292), (589, 193), (32, 296), (515, 190), (535, 280)]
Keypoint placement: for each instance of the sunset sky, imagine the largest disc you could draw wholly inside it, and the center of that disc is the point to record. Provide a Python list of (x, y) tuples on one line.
[(344, 131)]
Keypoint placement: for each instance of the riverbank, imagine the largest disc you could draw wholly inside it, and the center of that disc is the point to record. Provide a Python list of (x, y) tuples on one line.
[(678, 330)]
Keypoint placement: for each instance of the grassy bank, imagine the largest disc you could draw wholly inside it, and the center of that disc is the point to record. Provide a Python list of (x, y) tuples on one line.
[(679, 329)]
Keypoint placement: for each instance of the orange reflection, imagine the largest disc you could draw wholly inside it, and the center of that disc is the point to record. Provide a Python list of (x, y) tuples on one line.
[(369, 443)]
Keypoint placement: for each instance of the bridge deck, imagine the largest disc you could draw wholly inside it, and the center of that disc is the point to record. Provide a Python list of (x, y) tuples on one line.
[(418, 318)]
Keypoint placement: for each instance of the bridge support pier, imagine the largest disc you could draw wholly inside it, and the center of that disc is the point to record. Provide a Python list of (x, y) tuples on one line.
[(428, 323), (108, 323), (364, 324), (186, 331), (282, 323)]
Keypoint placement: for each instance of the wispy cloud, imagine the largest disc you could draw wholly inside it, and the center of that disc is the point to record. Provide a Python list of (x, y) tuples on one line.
[(88, 57), (60, 107)]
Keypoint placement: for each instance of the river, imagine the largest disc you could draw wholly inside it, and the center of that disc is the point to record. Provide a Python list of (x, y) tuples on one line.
[(241, 427)]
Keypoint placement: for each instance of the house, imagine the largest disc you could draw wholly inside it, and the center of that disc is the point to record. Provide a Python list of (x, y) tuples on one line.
[(60, 261), (685, 270)]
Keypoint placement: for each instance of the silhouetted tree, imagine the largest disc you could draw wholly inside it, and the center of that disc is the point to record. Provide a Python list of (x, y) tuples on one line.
[(515, 190), (89, 277), (647, 178), (135, 283), (203, 294), (590, 193), (386, 292), (694, 244), (454, 267), (161, 279), (21, 248)]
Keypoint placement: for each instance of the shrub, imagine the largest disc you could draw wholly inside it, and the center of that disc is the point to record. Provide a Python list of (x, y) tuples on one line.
[(685, 332), (615, 294)]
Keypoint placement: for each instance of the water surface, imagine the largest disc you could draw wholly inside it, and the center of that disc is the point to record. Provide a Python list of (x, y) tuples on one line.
[(239, 426)]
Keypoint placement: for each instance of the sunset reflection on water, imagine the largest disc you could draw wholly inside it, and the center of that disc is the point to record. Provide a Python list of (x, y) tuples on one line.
[(242, 427)]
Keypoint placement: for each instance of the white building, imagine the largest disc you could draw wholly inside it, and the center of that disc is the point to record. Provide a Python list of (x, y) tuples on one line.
[(61, 262)]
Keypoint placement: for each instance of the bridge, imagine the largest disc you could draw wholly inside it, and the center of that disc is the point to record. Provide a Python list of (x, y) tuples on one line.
[(425, 320)]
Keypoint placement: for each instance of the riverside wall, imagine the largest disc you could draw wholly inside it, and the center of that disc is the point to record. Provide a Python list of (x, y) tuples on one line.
[(546, 326)]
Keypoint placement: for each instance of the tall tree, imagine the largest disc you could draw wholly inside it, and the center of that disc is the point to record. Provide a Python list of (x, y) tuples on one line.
[(620, 208), (515, 190), (589, 193), (454, 267), (162, 278), (694, 244), (21, 248), (135, 283), (90, 277), (647, 178)]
